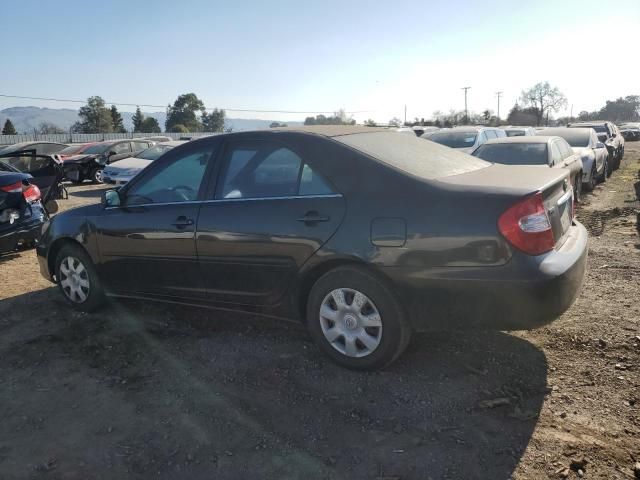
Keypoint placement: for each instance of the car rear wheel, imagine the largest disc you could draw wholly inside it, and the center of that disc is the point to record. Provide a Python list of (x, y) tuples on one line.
[(593, 178), (77, 279), (577, 189), (605, 169), (356, 319)]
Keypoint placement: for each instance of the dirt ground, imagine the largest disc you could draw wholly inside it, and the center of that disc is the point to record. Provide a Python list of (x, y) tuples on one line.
[(150, 391)]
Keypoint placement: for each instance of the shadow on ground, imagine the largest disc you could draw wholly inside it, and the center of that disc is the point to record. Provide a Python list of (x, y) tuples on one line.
[(89, 193), (168, 391)]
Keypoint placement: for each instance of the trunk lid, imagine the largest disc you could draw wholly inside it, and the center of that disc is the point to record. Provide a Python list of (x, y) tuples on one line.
[(513, 183)]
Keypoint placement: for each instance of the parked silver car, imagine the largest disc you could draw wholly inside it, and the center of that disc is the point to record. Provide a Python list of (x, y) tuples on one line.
[(593, 153), (466, 139), (552, 152), (124, 170)]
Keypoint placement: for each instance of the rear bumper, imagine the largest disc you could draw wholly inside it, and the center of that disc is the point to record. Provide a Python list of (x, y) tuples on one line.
[(526, 293), (25, 230)]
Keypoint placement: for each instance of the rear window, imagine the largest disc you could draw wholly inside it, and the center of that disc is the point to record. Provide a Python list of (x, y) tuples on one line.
[(454, 139), (515, 133), (514, 153), (413, 155)]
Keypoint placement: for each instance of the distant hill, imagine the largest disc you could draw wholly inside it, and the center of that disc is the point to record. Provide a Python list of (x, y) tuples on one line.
[(26, 119)]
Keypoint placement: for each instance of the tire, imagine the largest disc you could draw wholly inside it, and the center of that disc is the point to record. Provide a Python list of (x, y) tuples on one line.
[(77, 279), (96, 175), (603, 177), (609, 167), (577, 189), (338, 330), (593, 178)]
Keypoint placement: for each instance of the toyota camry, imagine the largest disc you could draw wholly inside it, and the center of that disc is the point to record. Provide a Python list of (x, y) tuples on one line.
[(365, 234)]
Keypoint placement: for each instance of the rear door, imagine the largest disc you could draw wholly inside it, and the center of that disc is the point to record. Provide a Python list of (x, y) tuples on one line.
[(269, 212)]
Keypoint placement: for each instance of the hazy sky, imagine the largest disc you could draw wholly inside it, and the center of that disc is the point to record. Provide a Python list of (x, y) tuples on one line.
[(373, 56)]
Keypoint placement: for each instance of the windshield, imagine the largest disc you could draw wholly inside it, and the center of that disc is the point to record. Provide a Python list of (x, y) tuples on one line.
[(70, 150), (597, 128), (515, 133), (514, 153), (577, 139), (454, 139), (154, 152), (98, 148), (412, 155)]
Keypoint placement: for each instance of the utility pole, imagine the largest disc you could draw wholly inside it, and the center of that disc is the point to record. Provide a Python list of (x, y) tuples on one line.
[(571, 114), (498, 94), (466, 112), (405, 114)]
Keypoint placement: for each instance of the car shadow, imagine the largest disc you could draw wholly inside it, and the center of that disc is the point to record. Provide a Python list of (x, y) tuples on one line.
[(244, 394)]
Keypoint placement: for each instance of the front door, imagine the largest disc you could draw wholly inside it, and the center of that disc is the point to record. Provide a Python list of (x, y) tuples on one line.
[(147, 244), (271, 211)]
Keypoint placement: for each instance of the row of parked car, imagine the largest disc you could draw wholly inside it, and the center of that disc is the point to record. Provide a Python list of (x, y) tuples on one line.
[(590, 150)]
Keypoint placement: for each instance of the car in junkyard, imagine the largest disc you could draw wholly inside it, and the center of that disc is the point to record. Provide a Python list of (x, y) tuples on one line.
[(593, 153), (45, 172), (630, 132), (72, 150), (124, 170), (281, 222), (541, 151), (21, 212), (608, 134), (466, 139), (420, 130), (90, 164), (39, 148), (515, 131)]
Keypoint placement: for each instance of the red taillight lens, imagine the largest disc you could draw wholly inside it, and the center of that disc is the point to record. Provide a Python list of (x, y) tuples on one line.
[(13, 188), (526, 226), (31, 193)]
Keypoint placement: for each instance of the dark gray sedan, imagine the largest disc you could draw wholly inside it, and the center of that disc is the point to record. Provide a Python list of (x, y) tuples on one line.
[(366, 234)]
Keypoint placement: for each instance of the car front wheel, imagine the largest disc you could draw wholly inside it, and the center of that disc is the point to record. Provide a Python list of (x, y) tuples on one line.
[(593, 177), (77, 279), (356, 319), (97, 175)]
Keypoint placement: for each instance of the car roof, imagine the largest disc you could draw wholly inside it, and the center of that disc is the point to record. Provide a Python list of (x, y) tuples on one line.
[(529, 139), (172, 143)]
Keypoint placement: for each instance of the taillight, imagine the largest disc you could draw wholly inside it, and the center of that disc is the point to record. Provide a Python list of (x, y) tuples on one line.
[(31, 193), (526, 226), (13, 188)]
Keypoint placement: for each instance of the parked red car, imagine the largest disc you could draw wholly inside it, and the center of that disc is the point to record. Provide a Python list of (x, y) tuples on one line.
[(74, 149)]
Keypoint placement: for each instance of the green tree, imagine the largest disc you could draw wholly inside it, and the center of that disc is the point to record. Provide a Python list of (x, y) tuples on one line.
[(214, 121), (47, 127), (370, 123), (150, 125), (116, 120), (338, 118), (184, 112), (625, 109), (522, 116), (544, 99), (137, 119), (8, 128), (94, 117), (178, 128)]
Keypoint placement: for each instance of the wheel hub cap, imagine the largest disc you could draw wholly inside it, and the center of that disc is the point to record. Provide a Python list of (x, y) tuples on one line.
[(350, 322), (74, 280)]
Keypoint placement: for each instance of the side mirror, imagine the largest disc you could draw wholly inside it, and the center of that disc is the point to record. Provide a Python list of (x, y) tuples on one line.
[(111, 198), (112, 152), (600, 145)]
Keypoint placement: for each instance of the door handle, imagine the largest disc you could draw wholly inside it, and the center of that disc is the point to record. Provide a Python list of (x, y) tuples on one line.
[(182, 222), (313, 217)]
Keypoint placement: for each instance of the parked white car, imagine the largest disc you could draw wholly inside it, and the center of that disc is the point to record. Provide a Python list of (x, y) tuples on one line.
[(593, 153), (466, 139), (124, 170)]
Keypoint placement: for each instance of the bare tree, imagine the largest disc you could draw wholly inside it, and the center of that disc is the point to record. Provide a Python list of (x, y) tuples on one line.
[(544, 99)]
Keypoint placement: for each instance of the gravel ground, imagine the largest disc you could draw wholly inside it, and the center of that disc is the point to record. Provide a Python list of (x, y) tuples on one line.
[(149, 391)]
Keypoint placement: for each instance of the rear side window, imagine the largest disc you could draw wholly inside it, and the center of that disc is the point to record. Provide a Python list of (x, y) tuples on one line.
[(514, 153), (490, 134), (556, 155), (268, 170), (120, 148), (413, 155), (565, 149)]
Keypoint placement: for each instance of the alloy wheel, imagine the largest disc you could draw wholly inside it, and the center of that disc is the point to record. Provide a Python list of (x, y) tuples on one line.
[(74, 280), (350, 322), (97, 175)]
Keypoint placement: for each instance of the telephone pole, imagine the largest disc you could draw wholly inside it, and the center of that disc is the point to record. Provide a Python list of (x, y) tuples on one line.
[(405, 114), (498, 94), (466, 112)]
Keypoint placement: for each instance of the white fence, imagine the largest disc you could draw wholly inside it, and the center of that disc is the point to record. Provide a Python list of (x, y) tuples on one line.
[(88, 137)]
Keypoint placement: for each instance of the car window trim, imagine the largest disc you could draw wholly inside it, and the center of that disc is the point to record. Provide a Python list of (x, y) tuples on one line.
[(228, 200)]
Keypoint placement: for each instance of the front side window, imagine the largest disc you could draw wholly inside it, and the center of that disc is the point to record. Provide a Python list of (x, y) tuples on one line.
[(179, 180)]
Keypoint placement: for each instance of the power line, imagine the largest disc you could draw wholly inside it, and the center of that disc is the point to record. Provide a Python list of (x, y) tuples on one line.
[(165, 106)]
